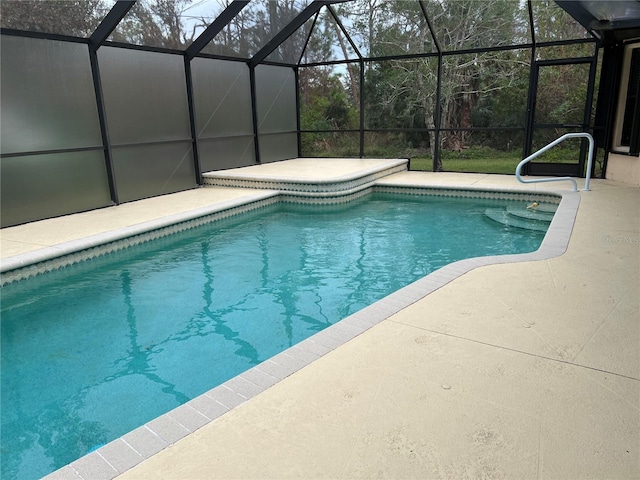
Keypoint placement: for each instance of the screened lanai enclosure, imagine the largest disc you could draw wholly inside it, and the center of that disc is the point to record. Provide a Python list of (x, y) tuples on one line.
[(107, 102)]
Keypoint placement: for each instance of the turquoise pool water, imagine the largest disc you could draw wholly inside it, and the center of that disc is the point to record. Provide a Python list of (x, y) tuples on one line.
[(94, 350)]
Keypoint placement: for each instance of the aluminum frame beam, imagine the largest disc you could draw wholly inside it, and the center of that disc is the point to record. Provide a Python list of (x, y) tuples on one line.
[(110, 22), (215, 27), (288, 30)]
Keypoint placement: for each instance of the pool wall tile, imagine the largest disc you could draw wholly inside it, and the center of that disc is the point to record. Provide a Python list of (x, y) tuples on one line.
[(94, 467), (410, 293), (314, 347), (302, 354), (472, 263), (344, 331), (362, 322), (275, 369), (288, 362), (226, 396), (430, 284), (120, 455), (188, 417), (65, 473), (243, 387), (393, 301), (448, 273), (208, 406), (259, 377), (381, 310), (167, 428), (144, 441), (326, 339)]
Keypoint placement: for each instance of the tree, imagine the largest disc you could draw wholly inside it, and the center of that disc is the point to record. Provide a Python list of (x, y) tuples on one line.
[(77, 18), (401, 93), (156, 22), (255, 25)]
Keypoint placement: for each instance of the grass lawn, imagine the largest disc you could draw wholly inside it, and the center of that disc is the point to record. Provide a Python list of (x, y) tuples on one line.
[(487, 160), (484, 165), (475, 159)]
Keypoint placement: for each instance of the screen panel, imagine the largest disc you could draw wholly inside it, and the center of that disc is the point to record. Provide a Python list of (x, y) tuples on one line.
[(562, 93), (147, 170), (48, 100), (479, 24), (275, 147), (398, 144), (387, 28), (330, 144), (167, 24), (401, 93), (276, 99), (226, 152), (42, 186), (222, 98), (145, 96), (486, 89), (486, 151), (553, 23), (255, 25)]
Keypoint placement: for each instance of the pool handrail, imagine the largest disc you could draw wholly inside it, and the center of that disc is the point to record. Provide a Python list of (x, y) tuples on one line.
[(559, 179)]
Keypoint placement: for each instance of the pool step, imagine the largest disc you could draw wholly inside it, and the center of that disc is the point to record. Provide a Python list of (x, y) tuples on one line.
[(521, 217), (533, 214)]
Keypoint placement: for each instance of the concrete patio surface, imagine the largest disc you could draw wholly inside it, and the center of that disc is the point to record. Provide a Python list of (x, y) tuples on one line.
[(515, 371)]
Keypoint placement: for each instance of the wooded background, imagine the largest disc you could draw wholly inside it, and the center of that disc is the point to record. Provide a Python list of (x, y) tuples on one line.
[(482, 100)]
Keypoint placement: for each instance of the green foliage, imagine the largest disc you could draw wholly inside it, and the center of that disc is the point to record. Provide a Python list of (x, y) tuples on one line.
[(395, 145), (67, 17), (154, 23), (505, 165), (478, 89), (325, 104), (330, 144), (490, 160), (484, 89)]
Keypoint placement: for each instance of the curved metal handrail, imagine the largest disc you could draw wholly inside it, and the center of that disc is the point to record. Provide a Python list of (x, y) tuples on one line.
[(559, 179)]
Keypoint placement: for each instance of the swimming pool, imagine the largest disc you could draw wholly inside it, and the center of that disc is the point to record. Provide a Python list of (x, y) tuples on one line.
[(127, 343)]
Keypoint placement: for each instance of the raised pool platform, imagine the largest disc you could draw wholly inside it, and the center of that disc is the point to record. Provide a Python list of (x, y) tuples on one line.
[(308, 176), (510, 370)]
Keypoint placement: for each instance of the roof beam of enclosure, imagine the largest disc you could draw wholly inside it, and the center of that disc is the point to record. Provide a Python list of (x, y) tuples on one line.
[(110, 22), (216, 27), (431, 31), (306, 42), (437, 164), (592, 24), (532, 25), (577, 11), (344, 30), (288, 30)]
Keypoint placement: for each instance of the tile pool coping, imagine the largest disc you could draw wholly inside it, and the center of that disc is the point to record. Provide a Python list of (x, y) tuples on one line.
[(134, 447)]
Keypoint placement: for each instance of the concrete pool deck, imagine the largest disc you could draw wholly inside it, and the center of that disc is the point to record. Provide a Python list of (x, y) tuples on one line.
[(518, 370)]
